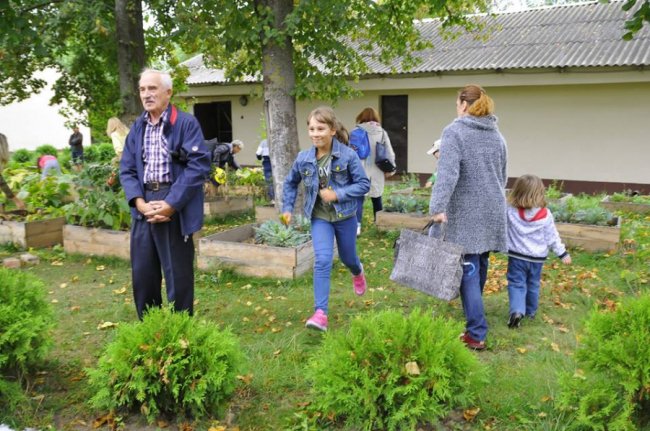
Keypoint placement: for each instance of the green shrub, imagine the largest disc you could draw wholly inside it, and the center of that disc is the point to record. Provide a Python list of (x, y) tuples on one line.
[(25, 321), (406, 204), (392, 372), (99, 153), (630, 197), (12, 401), (276, 234), (613, 391), (170, 363), (45, 149), (21, 156), (583, 209)]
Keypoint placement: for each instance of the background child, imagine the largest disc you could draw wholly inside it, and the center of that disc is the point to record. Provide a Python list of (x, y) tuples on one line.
[(531, 231), (334, 181), (435, 152), (48, 165)]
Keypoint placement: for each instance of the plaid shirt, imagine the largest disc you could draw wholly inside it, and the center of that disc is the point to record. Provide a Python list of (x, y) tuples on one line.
[(155, 152)]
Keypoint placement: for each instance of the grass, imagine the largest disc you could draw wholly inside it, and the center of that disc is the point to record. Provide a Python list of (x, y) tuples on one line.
[(268, 315)]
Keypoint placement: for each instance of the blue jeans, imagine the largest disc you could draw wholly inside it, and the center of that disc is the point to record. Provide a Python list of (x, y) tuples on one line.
[(523, 285), (376, 206), (471, 294), (268, 177), (323, 233)]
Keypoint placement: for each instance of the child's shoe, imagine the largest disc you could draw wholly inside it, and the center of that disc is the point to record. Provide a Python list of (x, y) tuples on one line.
[(317, 321), (359, 283), (515, 320)]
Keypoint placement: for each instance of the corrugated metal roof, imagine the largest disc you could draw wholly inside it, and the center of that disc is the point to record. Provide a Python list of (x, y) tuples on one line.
[(579, 35)]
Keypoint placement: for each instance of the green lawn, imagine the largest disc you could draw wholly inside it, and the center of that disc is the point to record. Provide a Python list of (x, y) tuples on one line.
[(268, 315)]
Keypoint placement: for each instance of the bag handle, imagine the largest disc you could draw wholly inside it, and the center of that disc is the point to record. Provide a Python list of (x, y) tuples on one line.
[(431, 223)]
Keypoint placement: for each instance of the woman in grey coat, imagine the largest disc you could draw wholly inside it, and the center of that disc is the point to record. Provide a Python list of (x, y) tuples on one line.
[(469, 196)]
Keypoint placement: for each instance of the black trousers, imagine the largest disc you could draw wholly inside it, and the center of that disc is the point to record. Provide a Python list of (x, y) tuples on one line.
[(157, 249)]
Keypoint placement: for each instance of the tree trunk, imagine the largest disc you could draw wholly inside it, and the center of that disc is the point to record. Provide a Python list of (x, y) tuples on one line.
[(279, 104), (130, 55)]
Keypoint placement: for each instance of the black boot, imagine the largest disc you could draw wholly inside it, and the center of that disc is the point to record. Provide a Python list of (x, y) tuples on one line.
[(515, 320)]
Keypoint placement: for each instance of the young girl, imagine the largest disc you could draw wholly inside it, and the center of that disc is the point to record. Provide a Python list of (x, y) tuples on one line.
[(334, 180), (531, 231)]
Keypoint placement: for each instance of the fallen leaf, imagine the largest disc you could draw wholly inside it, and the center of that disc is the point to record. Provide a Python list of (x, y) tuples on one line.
[(63, 285), (57, 263), (217, 428), (119, 291), (563, 329), (247, 379), (555, 347), (55, 301), (75, 308), (74, 278), (470, 414), (277, 353), (100, 268), (106, 325), (412, 368), (162, 423), (546, 398), (522, 350), (107, 419)]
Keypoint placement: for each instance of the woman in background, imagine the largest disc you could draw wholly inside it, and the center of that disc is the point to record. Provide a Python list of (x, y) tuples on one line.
[(4, 159)]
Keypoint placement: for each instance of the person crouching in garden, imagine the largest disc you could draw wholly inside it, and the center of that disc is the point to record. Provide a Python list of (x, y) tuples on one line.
[(531, 231), (4, 159), (334, 181), (48, 164)]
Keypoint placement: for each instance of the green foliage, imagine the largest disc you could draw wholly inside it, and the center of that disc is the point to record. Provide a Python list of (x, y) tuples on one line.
[(47, 196), (45, 149), (12, 398), (406, 204), (613, 393), (99, 153), (628, 197), (275, 234), (391, 372), (99, 204), (246, 177), (21, 156), (170, 363), (25, 321), (583, 209), (554, 191)]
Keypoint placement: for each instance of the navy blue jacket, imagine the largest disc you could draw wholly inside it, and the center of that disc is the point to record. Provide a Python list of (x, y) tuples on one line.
[(347, 179), (184, 138)]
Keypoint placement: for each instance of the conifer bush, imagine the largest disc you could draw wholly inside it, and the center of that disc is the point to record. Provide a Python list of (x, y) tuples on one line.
[(392, 372), (25, 321), (171, 364), (611, 389)]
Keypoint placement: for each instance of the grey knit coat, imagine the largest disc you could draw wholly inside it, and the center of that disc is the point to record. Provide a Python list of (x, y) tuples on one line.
[(470, 187)]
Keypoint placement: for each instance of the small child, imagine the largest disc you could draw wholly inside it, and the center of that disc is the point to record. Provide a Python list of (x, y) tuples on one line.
[(435, 152), (48, 164), (531, 231)]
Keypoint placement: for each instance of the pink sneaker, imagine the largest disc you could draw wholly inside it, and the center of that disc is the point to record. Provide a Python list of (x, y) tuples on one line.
[(317, 321), (359, 283)]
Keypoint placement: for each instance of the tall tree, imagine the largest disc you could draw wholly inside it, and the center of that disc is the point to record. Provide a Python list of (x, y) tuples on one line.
[(301, 49), (130, 55), (80, 41)]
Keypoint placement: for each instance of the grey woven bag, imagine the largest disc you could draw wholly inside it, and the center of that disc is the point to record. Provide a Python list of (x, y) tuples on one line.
[(428, 264)]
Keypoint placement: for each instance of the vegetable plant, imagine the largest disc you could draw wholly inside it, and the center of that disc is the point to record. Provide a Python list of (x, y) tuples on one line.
[(277, 234), (406, 204)]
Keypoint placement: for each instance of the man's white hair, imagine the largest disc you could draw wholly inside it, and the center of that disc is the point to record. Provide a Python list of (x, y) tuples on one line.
[(165, 77), (237, 143)]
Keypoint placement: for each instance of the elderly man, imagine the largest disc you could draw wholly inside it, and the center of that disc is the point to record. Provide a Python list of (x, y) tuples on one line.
[(163, 168)]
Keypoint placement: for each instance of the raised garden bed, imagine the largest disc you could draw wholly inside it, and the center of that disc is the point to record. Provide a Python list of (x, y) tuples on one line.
[(265, 212), (26, 234), (625, 206), (394, 221), (590, 237), (224, 206), (95, 241), (235, 248)]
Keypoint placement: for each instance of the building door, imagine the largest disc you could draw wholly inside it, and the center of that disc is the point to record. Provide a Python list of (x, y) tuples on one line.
[(394, 119), (215, 119)]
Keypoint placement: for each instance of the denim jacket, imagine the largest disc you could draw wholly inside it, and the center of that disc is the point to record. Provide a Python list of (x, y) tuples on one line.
[(347, 179)]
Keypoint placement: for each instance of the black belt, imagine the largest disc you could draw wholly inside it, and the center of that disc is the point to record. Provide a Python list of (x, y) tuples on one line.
[(155, 186)]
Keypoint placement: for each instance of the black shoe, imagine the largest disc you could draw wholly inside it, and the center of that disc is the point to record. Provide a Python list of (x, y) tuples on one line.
[(515, 320)]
